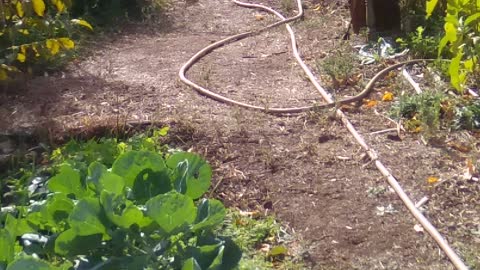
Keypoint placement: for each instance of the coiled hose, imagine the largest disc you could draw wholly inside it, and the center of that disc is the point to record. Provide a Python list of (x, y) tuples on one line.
[(454, 258)]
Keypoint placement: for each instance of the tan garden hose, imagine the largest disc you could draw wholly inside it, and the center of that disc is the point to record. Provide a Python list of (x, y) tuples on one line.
[(454, 258)]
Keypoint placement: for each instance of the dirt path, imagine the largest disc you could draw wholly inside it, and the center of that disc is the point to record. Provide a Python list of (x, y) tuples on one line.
[(306, 167)]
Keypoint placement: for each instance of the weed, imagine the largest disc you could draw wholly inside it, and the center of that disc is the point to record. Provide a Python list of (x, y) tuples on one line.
[(420, 45), (468, 117), (422, 111), (339, 66), (250, 234)]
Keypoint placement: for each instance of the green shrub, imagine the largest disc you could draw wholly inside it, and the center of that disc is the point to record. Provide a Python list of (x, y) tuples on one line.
[(35, 33), (145, 211), (420, 45), (103, 12), (461, 38)]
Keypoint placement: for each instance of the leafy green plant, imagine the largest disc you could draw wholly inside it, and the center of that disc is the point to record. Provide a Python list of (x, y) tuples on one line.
[(34, 33), (423, 111), (143, 212), (468, 116), (339, 66), (104, 12), (462, 38), (420, 45)]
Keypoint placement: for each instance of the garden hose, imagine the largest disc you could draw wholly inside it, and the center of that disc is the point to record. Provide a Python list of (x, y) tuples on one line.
[(454, 258)]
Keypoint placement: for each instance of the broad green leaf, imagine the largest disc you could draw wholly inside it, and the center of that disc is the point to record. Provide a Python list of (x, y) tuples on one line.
[(191, 264), (29, 263), (469, 64), (17, 227), (68, 182), (172, 211), (454, 71), (39, 7), (149, 184), (472, 18), (218, 261), (210, 214), (205, 254), (58, 208), (69, 243), (7, 246), (99, 179), (121, 211), (129, 165), (86, 218), (450, 32), (82, 23), (191, 174), (431, 4)]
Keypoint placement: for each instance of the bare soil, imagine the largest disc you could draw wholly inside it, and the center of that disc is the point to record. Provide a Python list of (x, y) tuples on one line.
[(305, 168)]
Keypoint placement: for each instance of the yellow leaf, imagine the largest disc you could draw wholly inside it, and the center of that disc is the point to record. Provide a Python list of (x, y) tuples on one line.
[(387, 96), (67, 43), (23, 49), (59, 5), (39, 7), (24, 31), (317, 8), (53, 45), (259, 17), (370, 103), (34, 48), (82, 23), (432, 179), (19, 8), (417, 130), (469, 64), (21, 57)]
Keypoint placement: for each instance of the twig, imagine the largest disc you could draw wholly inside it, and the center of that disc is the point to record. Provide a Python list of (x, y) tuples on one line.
[(472, 93), (384, 131), (411, 81), (421, 202)]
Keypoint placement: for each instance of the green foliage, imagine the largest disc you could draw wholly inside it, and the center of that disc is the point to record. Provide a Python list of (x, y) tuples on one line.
[(40, 35), (339, 66), (420, 45), (422, 111), (35, 33), (462, 38), (104, 12), (104, 218), (430, 111), (468, 116)]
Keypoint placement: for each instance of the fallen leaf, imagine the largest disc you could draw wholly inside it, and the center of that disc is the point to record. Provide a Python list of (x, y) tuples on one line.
[(317, 8), (278, 250), (459, 147), (259, 17), (432, 179), (370, 103), (387, 96)]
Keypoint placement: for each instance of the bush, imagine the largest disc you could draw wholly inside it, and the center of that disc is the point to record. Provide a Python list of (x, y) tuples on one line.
[(461, 38), (126, 209), (34, 34)]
